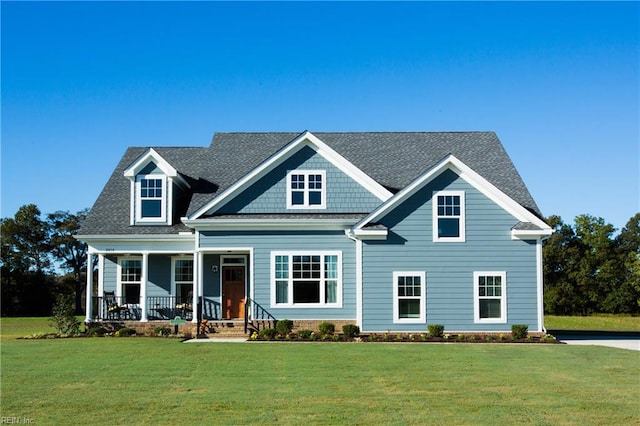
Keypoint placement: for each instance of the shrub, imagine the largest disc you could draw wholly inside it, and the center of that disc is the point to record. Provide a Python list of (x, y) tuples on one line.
[(63, 317), (435, 330), (326, 328), (350, 331), (125, 331), (283, 327), (162, 331), (519, 331), (305, 334), (267, 334), (96, 331)]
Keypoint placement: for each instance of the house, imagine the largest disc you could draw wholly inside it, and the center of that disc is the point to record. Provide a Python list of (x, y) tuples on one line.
[(390, 231)]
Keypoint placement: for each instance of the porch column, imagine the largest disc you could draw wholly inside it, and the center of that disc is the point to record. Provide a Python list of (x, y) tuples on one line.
[(143, 286), (89, 303), (197, 285)]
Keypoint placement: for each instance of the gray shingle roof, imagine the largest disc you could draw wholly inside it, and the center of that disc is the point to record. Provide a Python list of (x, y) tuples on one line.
[(393, 159)]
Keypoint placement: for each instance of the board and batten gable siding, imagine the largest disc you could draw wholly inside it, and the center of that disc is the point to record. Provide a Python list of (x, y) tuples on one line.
[(449, 266), (269, 194), (266, 242)]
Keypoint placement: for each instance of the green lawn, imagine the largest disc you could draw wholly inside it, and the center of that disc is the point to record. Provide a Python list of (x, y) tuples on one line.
[(593, 322), (163, 381)]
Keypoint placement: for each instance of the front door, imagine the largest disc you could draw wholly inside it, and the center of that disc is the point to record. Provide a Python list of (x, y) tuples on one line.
[(233, 286)]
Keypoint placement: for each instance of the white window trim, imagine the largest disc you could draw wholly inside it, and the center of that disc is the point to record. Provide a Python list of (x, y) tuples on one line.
[(423, 298), (434, 202), (120, 283), (306, 205), (290, 304), (165, 200), (174, 283), (503, 297)]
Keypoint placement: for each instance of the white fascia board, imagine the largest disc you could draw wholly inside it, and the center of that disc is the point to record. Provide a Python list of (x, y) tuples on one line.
[(132, 171), (272, 224), (136, 238), (305, 139), (470, 176)]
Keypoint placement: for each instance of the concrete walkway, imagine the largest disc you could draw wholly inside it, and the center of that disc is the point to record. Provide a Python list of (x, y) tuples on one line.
[(631, 344), (622, 339)]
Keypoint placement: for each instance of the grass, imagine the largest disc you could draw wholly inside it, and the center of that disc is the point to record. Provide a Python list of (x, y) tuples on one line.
[(159, 381), (593, 322)]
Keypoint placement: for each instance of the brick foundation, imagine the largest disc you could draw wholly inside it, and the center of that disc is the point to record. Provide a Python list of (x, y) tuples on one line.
[(146, 328)]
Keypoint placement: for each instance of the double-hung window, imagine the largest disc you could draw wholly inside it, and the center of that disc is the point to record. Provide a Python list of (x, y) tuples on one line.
[(183, 279), (151, 196), (130, 280), (490, 296), (448, 216), (306, 189), (306, 278), (409, 290)]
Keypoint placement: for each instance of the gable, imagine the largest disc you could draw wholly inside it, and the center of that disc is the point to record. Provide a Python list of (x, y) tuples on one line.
[(305, 140), (269, 193), (451, 166)]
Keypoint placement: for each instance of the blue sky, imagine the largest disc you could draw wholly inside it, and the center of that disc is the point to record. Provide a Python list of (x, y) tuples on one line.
[(558, 82)]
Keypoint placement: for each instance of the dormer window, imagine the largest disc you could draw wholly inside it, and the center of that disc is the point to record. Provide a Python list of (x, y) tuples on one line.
[(151, 197), (155, 185), (306, 189)]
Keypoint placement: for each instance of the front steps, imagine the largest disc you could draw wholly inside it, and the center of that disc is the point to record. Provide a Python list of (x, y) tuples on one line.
[(226, 329)]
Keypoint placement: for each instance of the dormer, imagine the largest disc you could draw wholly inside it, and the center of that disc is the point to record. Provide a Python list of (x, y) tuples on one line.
[(155, 185)]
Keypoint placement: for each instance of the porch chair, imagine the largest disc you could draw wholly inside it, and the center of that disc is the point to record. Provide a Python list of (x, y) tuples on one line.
[(186, 306), (114, 310)]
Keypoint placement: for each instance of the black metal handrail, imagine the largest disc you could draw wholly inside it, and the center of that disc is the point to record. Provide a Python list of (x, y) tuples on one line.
[(169, 307), (256, 312)]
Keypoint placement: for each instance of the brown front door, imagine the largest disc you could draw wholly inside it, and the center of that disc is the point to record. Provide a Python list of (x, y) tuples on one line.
[(233, 284)]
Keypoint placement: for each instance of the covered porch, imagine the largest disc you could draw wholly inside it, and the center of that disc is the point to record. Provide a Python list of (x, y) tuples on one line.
[(154, 285)]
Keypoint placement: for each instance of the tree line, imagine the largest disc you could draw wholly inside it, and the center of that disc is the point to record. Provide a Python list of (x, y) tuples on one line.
[(39, 260), (587, 267)]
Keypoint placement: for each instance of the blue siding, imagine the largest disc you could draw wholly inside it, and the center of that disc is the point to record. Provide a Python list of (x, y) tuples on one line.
[(269, 194), (449, 267), (159, 280), (211, 280), (264, 243), (110, 273)]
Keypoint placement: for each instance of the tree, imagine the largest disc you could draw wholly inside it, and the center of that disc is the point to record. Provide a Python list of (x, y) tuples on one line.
[(587, 270), (25, 264), (595, 274), (626, 297), (25, 242), (71, 253)]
